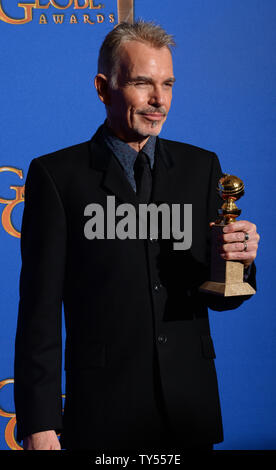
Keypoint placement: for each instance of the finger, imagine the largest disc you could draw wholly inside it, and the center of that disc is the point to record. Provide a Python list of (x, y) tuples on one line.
[(56, 447), (239, 237), (244, 256), (240, 226), (233, 237), (238, 246)]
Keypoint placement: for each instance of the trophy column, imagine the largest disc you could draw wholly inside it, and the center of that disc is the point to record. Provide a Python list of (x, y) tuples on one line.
[(226, 276)]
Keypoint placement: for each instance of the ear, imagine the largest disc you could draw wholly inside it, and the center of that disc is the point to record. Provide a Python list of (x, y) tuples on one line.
[(101, 86)]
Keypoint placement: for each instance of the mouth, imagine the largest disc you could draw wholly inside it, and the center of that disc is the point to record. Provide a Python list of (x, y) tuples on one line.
[(154, 116)]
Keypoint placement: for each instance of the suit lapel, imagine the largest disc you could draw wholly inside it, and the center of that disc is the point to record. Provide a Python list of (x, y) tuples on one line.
[(162, 176), (114, 180)]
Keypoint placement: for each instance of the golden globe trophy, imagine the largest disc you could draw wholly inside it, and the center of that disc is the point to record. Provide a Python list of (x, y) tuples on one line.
[(226, 276)]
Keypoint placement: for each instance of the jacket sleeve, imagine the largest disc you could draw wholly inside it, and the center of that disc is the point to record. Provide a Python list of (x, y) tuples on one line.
[(216, 302), (38, 343)]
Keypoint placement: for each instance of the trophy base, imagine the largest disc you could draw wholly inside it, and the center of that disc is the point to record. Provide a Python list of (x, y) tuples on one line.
[(227, 277), (227, 290)]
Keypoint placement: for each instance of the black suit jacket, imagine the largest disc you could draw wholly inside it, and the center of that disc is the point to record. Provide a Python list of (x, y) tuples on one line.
[(139, 357)]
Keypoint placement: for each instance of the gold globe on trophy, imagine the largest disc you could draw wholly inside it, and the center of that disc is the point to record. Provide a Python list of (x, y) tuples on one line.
[(226, 276), (230, 189)]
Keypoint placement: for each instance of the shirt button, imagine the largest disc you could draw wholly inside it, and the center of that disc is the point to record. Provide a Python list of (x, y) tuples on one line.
[(162, 339), (157, 286)]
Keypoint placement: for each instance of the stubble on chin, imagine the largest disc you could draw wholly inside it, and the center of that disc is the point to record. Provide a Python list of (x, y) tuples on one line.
[(149, 130)]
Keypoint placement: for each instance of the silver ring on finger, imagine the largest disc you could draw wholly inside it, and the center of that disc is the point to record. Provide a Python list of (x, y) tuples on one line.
[(245, 246)]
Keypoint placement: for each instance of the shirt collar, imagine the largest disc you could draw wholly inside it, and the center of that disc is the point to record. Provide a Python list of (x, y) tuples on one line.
[(126, 154)]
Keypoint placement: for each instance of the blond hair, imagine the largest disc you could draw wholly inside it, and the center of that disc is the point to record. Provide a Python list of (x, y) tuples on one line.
[(146, 32)]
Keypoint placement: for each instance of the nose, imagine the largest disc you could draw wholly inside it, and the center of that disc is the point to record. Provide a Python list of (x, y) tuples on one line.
[(156, 97)]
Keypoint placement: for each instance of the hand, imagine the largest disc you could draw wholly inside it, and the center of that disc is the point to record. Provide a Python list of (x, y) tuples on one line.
[(234, 242), (45, 440)]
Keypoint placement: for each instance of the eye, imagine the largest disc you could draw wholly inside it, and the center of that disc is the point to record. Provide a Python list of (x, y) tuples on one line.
[(141, 83)]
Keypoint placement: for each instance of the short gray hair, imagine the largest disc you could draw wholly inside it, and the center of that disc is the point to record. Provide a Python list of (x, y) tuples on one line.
[(145, 32)]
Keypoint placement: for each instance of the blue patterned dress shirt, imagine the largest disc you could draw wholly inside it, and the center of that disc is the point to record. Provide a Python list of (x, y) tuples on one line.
[(127, 155)]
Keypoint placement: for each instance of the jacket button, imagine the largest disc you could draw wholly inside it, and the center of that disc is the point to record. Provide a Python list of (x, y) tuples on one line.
[(157, 286), (162, 339)]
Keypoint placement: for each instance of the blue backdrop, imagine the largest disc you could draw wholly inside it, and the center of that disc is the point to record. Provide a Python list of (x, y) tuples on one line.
[(224, 100)]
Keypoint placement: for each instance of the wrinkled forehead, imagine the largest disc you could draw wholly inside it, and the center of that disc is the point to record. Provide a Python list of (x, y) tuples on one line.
[(138, 58)]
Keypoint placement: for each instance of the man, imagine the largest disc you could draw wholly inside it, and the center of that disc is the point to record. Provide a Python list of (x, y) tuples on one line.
[(138, 357)]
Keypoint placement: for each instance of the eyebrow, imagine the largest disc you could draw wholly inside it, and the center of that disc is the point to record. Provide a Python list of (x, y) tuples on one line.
[(142, 78)]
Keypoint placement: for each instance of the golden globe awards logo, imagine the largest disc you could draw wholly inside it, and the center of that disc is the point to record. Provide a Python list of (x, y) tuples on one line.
[(10, 426), (58, 12), (10, 204), (86, 11), (11, 417), (125, 12)]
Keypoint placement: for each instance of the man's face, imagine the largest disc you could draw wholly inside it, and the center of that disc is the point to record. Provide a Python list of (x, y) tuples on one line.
[(139, 105)]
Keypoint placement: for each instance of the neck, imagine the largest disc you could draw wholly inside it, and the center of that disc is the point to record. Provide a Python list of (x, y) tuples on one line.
[(137, 144)]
